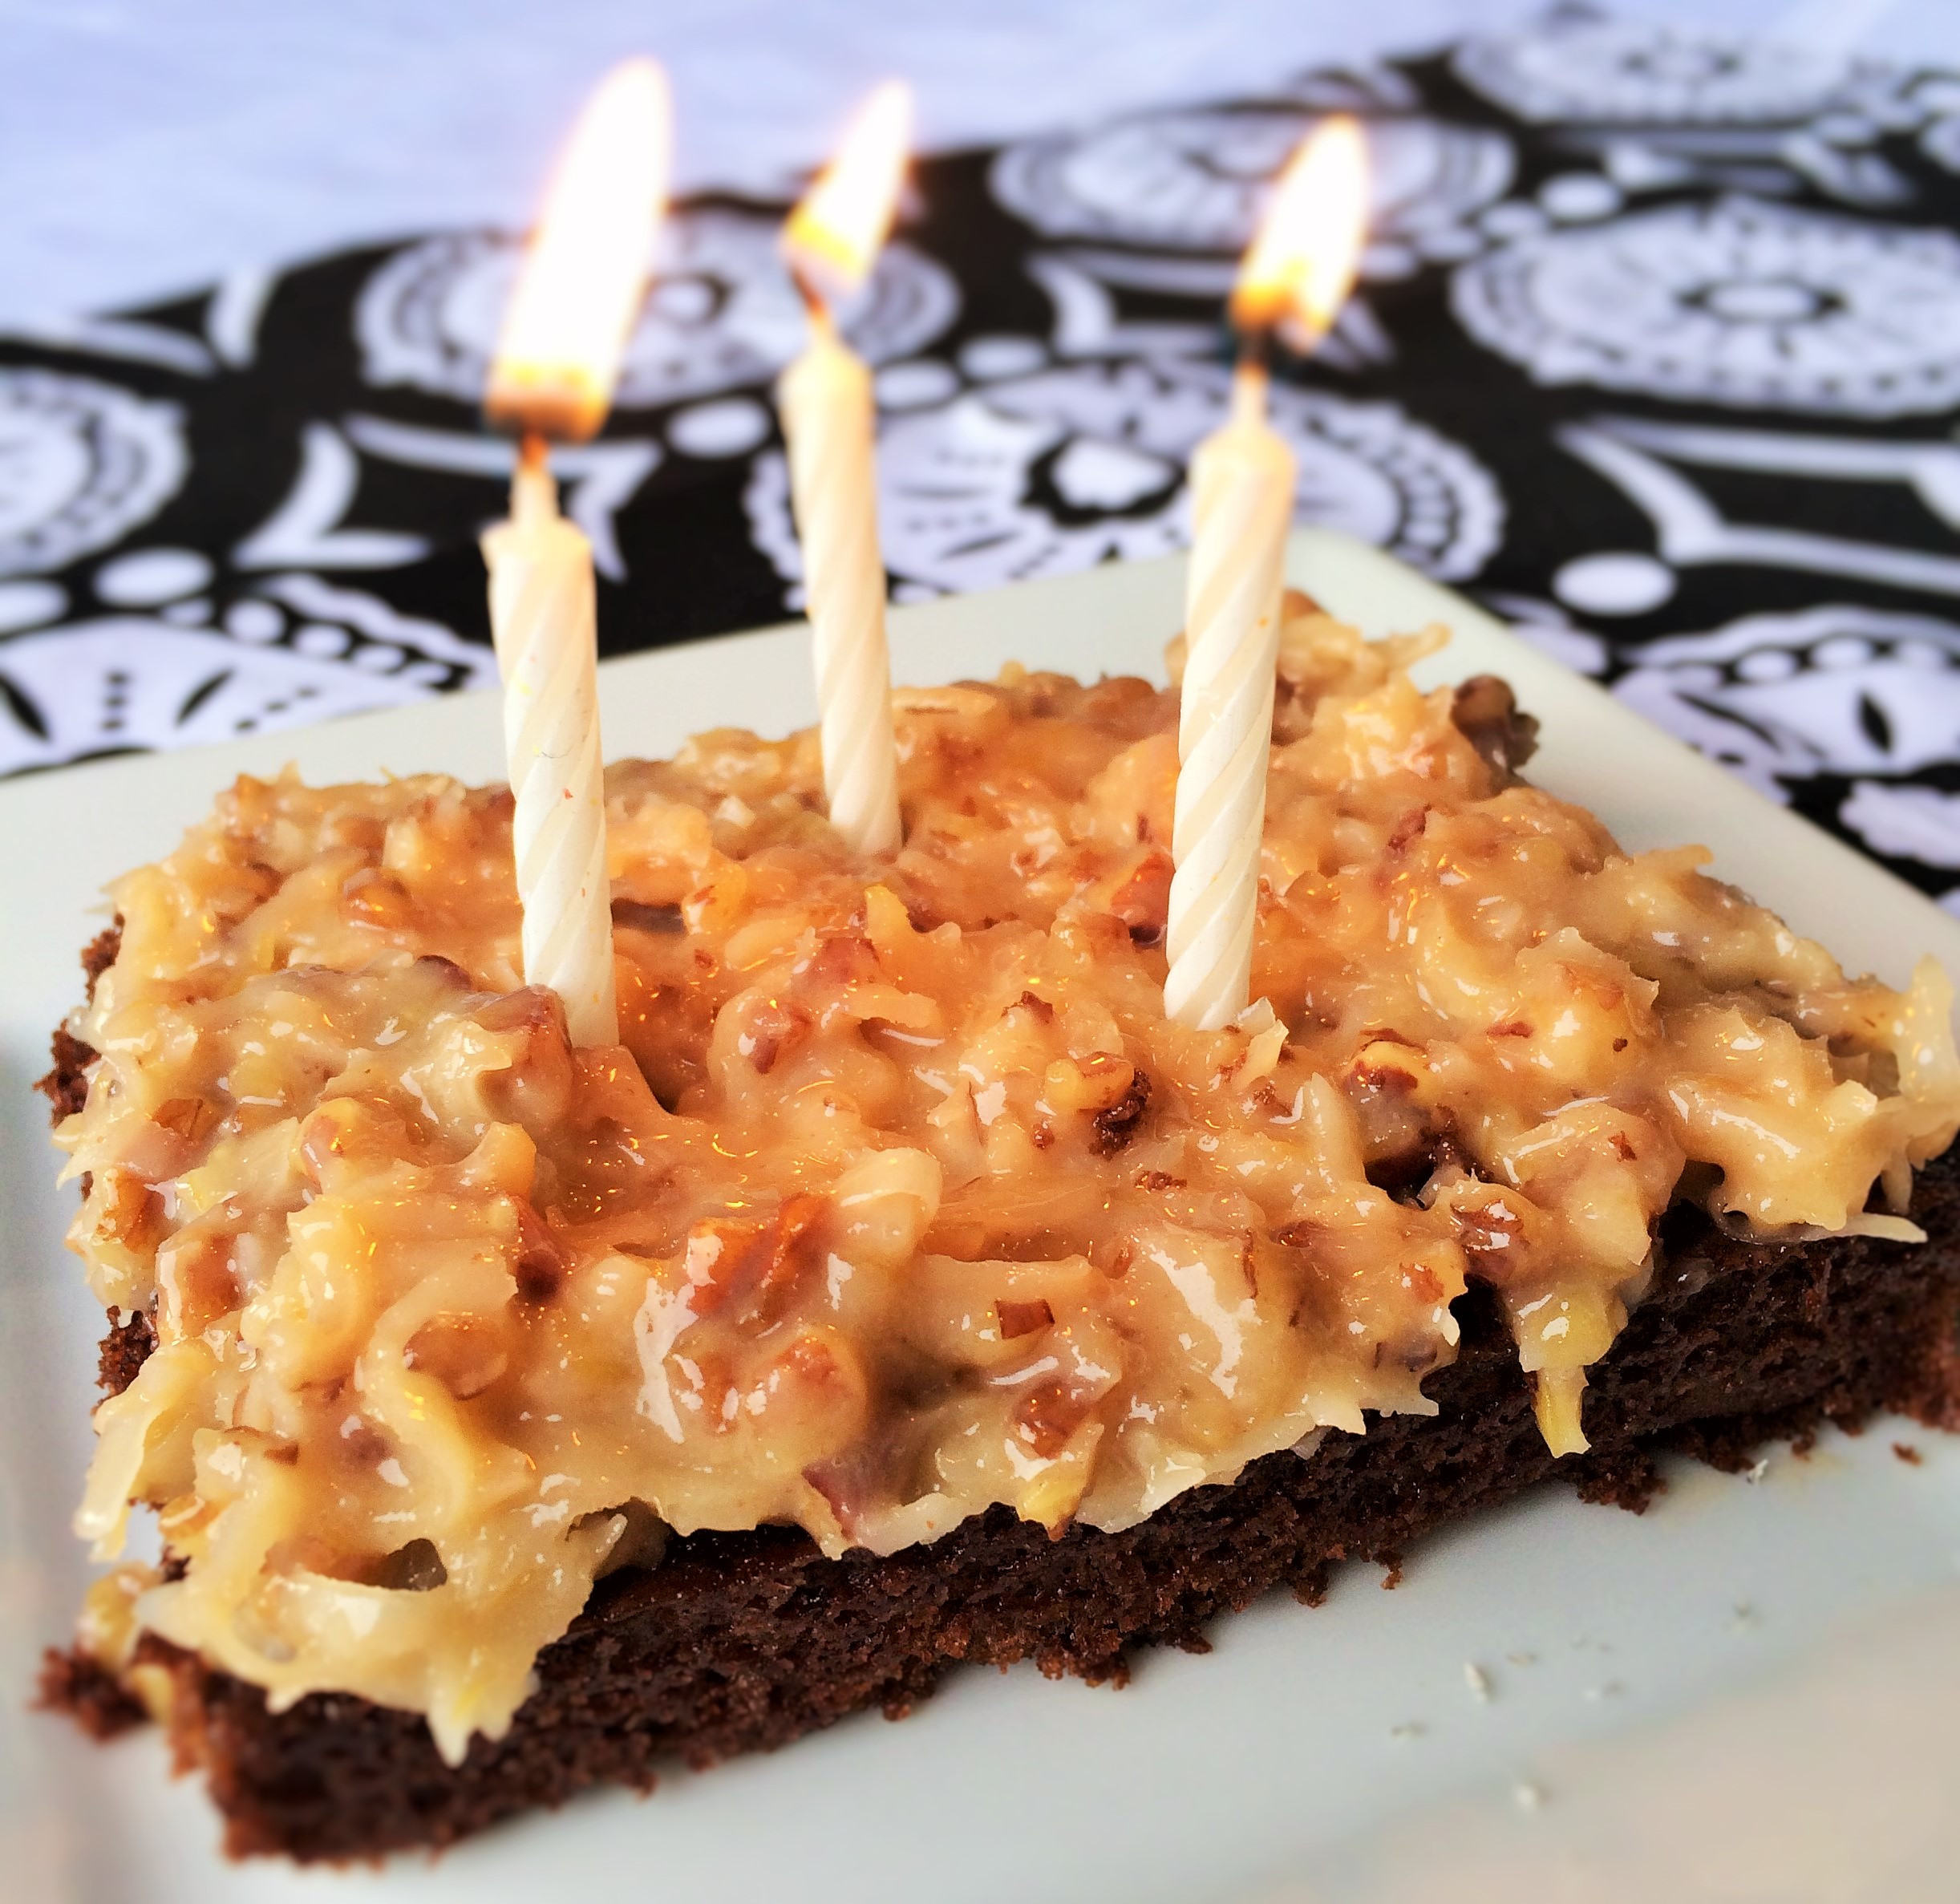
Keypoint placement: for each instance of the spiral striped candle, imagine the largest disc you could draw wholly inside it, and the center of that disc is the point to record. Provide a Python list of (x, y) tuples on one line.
[(564, 335), (826, 409), (543, 618), (1242, 483), (830, 243), (1294, 280)]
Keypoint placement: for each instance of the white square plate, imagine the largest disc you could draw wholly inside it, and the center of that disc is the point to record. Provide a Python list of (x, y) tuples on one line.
[(1746, 1695)]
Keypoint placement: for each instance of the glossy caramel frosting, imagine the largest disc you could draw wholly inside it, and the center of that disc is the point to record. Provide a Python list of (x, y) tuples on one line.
[(901, 1197)]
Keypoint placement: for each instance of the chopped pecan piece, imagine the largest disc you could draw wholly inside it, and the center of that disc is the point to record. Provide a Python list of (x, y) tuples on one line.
[(535, 1089), (637, 915), (439, 967), (1486, 713), (1409, 826), (1143, 899), (130, 1212), (1373, 1071), (756, 1265), (464, 1353), (530, 1008), (416, 1568), (1046, 1417), (1424, 1280), (1114, 1128), (539, 1265), (773, 1026), (845, 958), (1487, 1231), (190, 1118), (1022, 1318)]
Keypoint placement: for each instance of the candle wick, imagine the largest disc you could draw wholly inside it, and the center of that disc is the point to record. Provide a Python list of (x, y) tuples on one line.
[(816, 306), (533, 494), (1249, 380)]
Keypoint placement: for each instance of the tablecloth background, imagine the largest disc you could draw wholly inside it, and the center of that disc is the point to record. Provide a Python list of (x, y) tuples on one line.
[(1656, 349)]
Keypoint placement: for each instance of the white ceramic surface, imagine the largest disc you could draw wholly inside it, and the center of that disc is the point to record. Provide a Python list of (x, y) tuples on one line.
[(1746, 1695)]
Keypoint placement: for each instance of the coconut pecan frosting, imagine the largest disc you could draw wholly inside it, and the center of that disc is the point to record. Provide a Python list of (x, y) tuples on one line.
[(900, 1198)]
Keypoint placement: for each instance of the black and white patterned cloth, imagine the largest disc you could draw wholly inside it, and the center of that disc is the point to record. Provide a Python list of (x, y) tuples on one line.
[(1656, 349)]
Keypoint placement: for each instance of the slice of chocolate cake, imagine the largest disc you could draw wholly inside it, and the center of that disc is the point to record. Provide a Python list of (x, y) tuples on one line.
[(905, 1289)]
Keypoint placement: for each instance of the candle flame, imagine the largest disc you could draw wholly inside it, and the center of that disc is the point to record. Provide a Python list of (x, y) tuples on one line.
[(833, 236), (587, 267), (1302, 261)]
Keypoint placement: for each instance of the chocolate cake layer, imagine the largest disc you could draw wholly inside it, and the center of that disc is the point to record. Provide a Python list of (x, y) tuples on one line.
[(740, 1642)]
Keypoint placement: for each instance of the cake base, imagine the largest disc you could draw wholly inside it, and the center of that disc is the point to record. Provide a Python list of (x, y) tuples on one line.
[(738, 1643)]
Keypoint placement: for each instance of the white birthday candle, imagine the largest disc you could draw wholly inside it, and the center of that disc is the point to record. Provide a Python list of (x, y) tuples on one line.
[(543, 616), (828, 418), (1242, 480), (1242, 485), (557, 359)]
